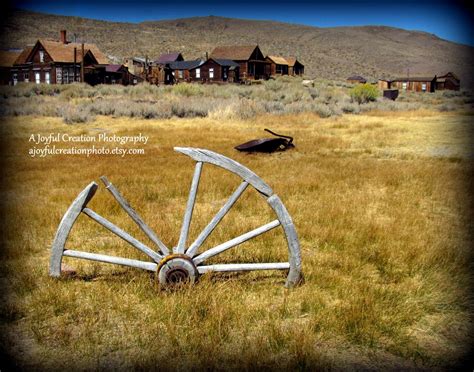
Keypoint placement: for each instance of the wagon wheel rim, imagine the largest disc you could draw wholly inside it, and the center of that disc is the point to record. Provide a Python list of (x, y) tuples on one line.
[(184, 261)]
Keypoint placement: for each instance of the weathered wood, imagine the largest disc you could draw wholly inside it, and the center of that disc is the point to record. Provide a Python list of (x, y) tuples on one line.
[(177, 269), (222, 161), (217, 218), (294, 276), (122, 234), (188, 214), (244, 267), (236, 241), (65, 226), (111, 259), (134, 215)]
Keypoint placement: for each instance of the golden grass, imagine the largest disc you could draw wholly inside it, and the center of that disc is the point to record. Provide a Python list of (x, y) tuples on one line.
[(382, 215)]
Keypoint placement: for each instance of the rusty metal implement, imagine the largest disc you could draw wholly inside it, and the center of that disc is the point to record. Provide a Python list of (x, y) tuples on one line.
[(185, 260), (280, 143)]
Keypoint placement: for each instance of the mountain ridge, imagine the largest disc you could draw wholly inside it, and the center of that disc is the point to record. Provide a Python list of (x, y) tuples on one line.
[(373, 51)]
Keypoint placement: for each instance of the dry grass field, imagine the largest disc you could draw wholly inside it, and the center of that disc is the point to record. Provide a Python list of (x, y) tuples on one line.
[(380, 202)]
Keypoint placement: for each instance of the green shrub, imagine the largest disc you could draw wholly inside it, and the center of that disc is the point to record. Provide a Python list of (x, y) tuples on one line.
[(187, 90), (274, 85), (363, 93)]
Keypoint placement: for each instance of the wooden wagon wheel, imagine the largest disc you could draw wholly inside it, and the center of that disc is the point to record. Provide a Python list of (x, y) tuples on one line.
[(183, 262)]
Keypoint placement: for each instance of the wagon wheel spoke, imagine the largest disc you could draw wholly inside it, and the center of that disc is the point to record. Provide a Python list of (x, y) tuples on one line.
[(244, 267), (135, 216), (188, 214), (122, 234), (217, 218), (150, 266), (234, 242)]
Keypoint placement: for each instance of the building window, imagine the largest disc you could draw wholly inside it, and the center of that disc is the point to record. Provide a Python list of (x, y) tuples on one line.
[(26, 77), (65, 76), (59, 75), (423, 87), (404, 85), (15, 78), (47, 78), (279, 69), (180, 74), (41, 55), (38, 77), (198, 73), (211, 73)]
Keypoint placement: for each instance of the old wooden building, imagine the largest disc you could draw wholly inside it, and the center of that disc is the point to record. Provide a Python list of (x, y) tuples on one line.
[(109, 74), (278, 65), (383, 84), (448, 81), (188, 71), (356, 79), (414, 84), (136, 65), (7, 59), (168, 58), (55, 62), (252, 63), (295, 67)]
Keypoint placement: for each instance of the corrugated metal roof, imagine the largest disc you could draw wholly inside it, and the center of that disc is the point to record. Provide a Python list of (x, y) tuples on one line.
[(186, 65), (113, 68), (226, 62), (169, 57), (233, 52)]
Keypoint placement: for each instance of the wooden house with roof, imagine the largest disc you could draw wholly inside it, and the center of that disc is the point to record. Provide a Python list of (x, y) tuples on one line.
[(278, 65), (56, 62), (414, 83), (295, 67), (7, 59), (448, 81), (187, 71), (252, 63)]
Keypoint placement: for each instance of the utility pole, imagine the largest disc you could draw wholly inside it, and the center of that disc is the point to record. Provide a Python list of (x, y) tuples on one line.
[(82, 63), (75, 63)]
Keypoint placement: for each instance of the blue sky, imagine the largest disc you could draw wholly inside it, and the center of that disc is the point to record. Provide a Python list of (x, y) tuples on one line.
[(449, 20)]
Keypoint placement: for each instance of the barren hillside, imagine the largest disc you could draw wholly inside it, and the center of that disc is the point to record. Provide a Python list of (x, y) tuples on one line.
[(332, 53)]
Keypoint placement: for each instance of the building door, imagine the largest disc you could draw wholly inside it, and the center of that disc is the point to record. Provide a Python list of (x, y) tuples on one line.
[(37, 77)]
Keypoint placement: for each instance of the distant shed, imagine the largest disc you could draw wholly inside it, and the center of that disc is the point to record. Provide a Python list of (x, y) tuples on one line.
[(383, 84), (295, 67), (278, 65), (448, 81), (356, 79)]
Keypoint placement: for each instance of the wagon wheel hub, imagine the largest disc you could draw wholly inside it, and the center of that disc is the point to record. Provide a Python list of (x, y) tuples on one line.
[(175, 269)]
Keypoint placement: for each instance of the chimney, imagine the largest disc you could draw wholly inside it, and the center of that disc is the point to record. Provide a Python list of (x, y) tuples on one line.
[(63, 37), (207, 56)]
